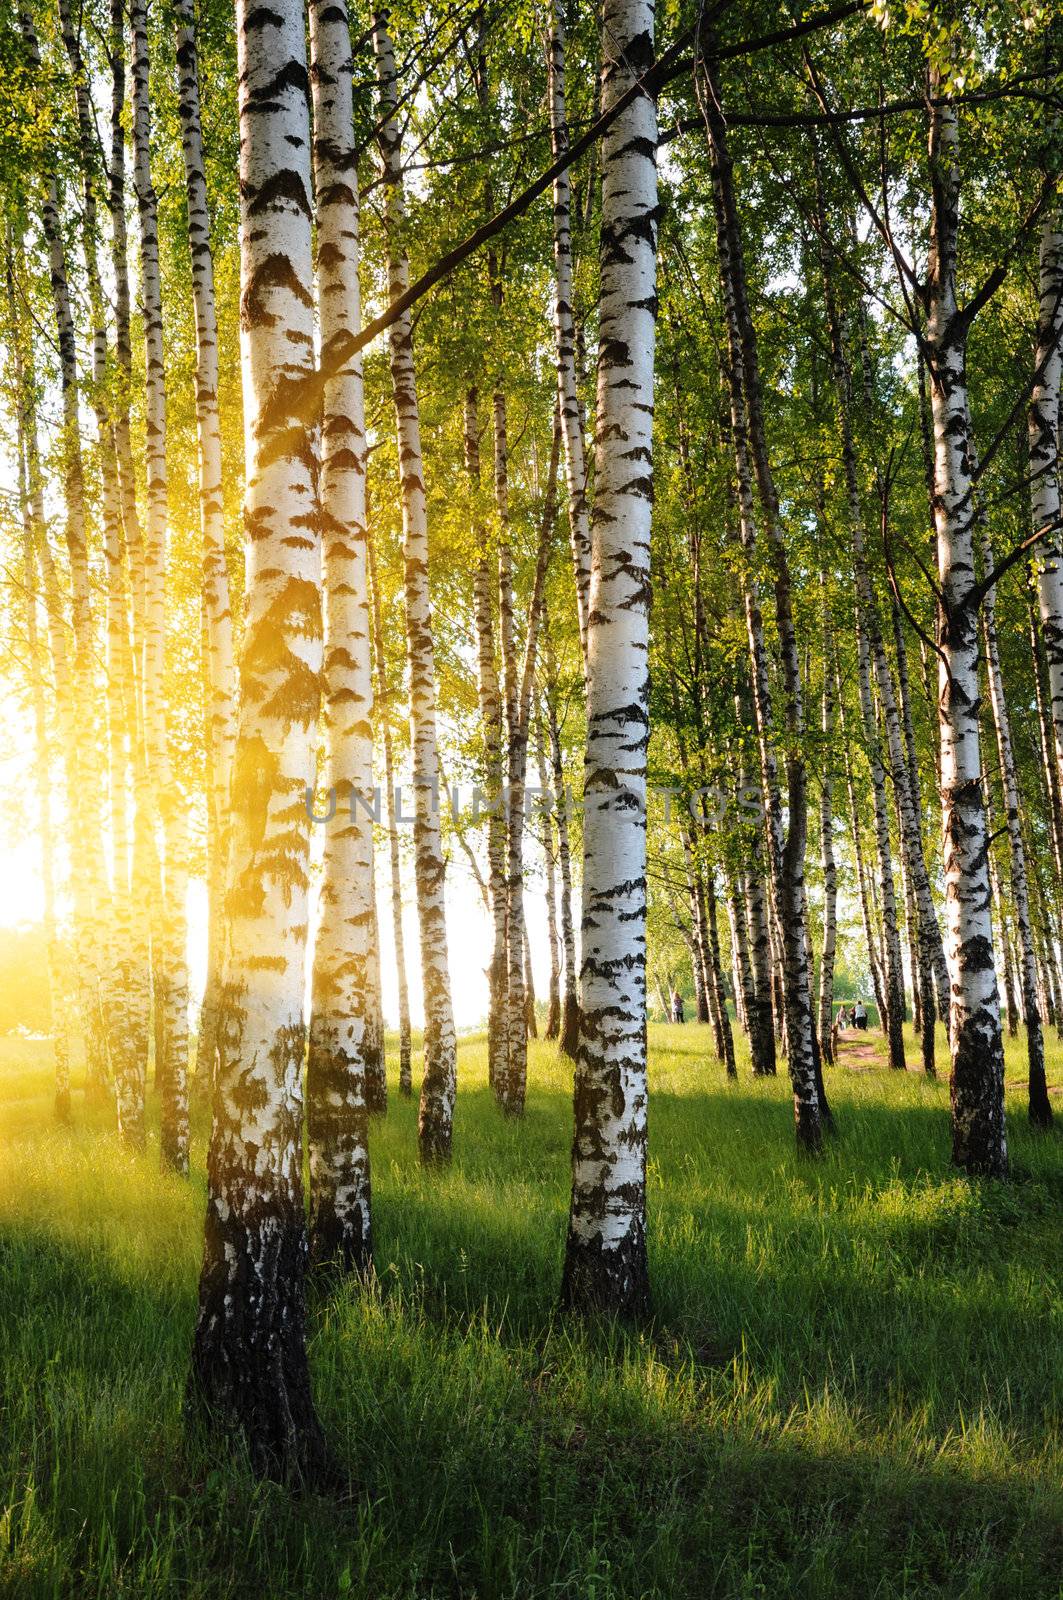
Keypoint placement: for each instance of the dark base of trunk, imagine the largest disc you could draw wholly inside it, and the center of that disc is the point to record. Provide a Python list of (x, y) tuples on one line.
[(553, 1014), (570, 1026), (979, 1143), (809, 1130), (762, 1049), (614, 1282), (62, 1105), (339, 1246), (250, 1379), (1040, 1111)]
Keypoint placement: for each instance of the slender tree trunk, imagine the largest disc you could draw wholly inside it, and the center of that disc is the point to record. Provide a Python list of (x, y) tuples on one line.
[(1043, 422), (569, 1037), (518, 720), (826, 843), (1040, 1107), (727, 1053), (219, 660), (168, 949), (436, 1117), (373, 1045), (565, 332), (605, 1253), (744, 984), (1049, 770), (249, 1366), (873, 963), (940, 975), (868, 648), (787, 844), (383, 701), (491, 718), (146, 870), (761, 1010), (979, 1140), (336, 1080), (511, 1089), (553, 1010), (531, 1020)]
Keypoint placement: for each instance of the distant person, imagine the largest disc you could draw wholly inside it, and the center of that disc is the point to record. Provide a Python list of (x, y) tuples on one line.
[(860, 1016), (843, 1019), (677, 1006)]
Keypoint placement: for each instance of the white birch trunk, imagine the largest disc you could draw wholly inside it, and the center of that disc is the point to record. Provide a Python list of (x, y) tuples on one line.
[(219, 663), (336, 1089), (491, 718), (1039, 1105), (1043, 420), (436, 1116), (249, 1359), (977, 1090), (169, 927), (605, 1258)]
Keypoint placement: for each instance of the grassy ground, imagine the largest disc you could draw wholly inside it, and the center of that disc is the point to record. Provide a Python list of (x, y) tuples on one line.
[(853, 1386)]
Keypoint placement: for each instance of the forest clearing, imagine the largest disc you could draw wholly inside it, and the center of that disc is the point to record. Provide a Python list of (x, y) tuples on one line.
[(853, 1380), (531, 799)]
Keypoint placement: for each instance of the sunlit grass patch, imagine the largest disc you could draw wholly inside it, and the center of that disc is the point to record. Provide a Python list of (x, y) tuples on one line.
[(853, 1381)]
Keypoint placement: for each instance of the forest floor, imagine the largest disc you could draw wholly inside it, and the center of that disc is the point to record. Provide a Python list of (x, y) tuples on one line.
[(853, 1385)]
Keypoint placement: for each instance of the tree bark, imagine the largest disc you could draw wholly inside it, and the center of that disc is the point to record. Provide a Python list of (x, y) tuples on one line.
[(569, 1036), (750, 445), (491, 718), (605, 1253), (436, 1114), (826, 843), (979, 1143), (337, 1109), (1039, 1105), (219, 659), (249, 1366), (553, 1009), (1043, 419), (169, 932)]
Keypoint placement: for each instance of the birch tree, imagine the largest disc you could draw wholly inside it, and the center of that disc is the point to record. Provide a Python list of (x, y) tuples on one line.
[(249, 1367), (979, 1143), (435, 1121), (336, 1088), (605, 1252)]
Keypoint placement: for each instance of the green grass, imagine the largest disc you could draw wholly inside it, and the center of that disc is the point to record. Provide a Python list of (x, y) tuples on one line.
[(853, 1386)]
